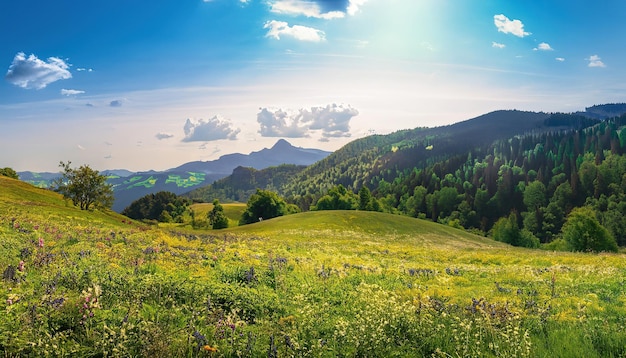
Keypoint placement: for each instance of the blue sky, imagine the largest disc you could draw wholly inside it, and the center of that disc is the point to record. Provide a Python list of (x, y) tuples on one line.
[(143, 85)]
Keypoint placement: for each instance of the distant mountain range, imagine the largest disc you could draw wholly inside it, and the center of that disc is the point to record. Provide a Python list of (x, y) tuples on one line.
[(129, 186)]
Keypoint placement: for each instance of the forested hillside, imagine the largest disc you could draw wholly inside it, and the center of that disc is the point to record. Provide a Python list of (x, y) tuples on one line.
[(538, 177), (243, 182), (367, 161)]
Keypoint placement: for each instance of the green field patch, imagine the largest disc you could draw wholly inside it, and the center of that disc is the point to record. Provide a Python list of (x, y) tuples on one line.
[(193, 179), (137, 181)]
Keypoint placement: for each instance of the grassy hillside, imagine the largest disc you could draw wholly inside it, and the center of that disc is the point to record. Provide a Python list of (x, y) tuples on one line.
[(320, 284)]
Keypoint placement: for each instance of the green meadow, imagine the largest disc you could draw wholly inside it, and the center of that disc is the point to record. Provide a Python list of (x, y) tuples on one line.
[(314, 284)]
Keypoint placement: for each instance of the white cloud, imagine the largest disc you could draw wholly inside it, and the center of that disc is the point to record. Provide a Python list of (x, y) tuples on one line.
[(307, 8), (543, 47), (595, 61), (560, 59), (321, 9), (280, 123), (34, 73), (71, 92), (353, 6), (333, 121), (163, 135), (497, 45), (302, 33), (507, 26), (211, 129), (80, 147), (81, 69)]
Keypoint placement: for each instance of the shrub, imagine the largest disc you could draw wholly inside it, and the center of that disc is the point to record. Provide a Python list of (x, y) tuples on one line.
[(583, 232)]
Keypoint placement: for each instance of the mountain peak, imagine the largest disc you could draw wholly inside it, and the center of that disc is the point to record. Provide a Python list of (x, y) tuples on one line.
[(282, 144)]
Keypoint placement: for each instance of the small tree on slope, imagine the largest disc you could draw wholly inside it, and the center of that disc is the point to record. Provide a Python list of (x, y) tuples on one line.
[(217, 218), (84, 186)]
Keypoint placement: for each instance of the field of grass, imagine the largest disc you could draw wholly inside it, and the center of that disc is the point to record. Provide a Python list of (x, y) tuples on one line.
[(319, 284)]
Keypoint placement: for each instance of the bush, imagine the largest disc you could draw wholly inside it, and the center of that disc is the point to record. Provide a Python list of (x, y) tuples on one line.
[(264, 204), (583, 232), (506, 230)]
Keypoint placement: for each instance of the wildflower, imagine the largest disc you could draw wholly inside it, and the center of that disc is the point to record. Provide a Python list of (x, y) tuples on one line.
[(20, 267), (13, 298), (208, 348), (41, 243)]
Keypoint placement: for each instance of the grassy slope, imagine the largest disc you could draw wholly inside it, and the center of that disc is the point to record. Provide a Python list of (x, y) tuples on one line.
[(311, 272), (22, 197)]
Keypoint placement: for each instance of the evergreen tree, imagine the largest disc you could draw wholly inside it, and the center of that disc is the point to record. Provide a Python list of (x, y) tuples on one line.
[(216, 216), (365, 196)]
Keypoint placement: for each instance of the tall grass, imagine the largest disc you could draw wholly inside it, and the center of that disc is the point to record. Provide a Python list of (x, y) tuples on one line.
[(321, 284)]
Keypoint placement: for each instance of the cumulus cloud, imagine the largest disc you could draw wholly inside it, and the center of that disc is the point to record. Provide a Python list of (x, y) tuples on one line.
[(206, 130), (32, 73), (116, 103), (595, 61), (332, 121), (163, 135), (280, 123), (507, 26), (543, 47), (497, 45), (71, 92), (321, 9), (560, 59), (276, 29)]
